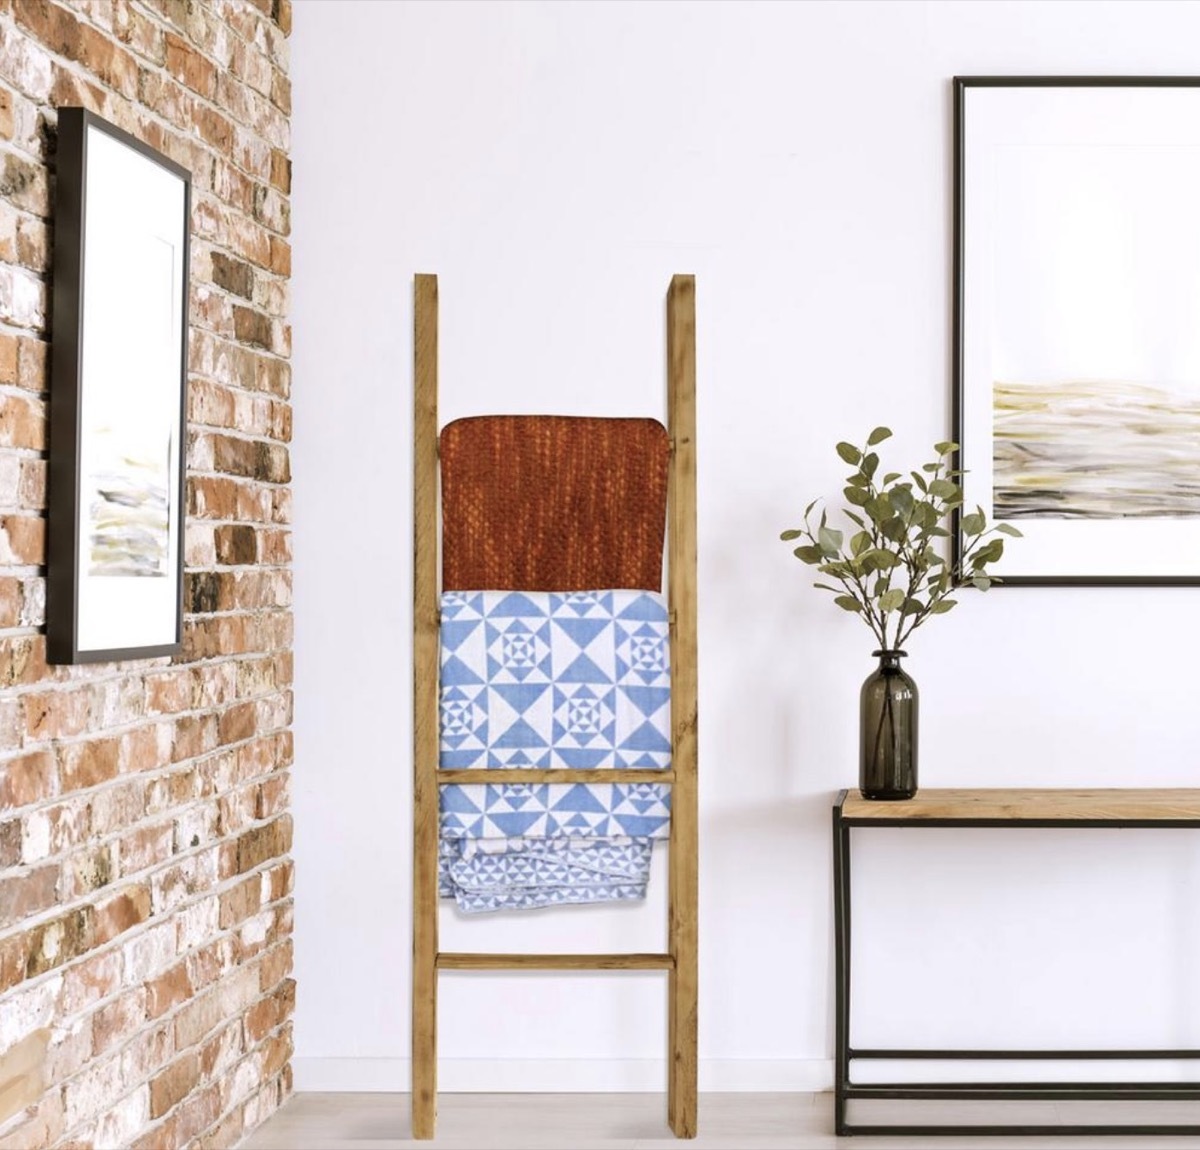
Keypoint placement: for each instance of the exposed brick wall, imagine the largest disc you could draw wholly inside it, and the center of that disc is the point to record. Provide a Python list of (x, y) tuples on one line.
[(145, 883)]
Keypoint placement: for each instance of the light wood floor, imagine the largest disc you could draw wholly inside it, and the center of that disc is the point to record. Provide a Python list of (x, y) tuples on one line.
[(638, 1122)]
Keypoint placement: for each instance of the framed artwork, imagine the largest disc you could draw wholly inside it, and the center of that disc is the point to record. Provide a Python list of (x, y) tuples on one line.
[(118, 413), (1077, 323)]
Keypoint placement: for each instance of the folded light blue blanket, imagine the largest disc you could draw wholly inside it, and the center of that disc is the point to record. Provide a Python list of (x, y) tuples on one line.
[(542, 679)]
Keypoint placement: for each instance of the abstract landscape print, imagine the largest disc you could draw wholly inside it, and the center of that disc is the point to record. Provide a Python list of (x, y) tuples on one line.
[(1093, 450), (1077, 304), (128, 503)]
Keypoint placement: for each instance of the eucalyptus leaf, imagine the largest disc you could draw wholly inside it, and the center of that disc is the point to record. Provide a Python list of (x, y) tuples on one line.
[(857, 496), (879, 508), (879, 435), (943, 489), (890, 478), (942, 606), (912, 607), (869, 465), (853, 518), (849, 452), (808, 554), (925, 515), (982, 582), (830, 540), (1009, 529), (992, 552), (860, 543), (848, 603), (892, 600), (945, 448), (791, 534), (973, 524)]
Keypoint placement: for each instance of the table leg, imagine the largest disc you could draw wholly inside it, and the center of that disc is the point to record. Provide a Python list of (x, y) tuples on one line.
[(841, 932)]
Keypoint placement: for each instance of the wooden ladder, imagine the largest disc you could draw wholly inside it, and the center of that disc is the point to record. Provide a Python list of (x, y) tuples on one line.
[(680, 960)]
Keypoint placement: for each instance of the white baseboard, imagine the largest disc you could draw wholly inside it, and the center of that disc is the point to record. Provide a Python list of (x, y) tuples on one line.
[(560, 1076)]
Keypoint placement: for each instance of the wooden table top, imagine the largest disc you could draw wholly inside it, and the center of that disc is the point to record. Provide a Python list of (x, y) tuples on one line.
[(1031, 804)]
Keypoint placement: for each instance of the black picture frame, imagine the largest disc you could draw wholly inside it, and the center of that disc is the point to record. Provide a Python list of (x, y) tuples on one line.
[(1024, 564), (101, 606)]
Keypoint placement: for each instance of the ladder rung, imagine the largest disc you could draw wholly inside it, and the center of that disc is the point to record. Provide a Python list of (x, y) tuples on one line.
[(473, 961), (507, 775)]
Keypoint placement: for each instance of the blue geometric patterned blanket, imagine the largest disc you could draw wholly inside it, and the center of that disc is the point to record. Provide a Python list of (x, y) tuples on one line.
[(542, 679)]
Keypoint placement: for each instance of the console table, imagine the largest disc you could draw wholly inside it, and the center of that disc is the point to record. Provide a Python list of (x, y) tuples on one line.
[(997, 808)]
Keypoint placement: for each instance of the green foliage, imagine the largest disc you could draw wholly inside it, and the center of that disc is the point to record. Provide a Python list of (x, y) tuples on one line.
[(890, 571)]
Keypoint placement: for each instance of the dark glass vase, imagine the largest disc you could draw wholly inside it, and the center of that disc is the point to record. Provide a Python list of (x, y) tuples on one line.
[(887, 767)]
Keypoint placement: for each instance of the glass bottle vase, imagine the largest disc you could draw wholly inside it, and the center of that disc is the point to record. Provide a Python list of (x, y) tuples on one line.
[(887, 767)]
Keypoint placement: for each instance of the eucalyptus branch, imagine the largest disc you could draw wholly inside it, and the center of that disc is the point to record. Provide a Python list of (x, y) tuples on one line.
[(898, 523)]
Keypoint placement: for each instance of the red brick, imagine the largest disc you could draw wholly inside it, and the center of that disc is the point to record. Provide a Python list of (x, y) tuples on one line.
[(198, 1113), (119, 1020), (24, 183), (265, 842), (236, 544), (10, 843), (55, 714), (89, 764), (140, 750), (88, 871), (27, 779), (22, 540), (275, 965), (168, 991), (14, 959), (22, 660), (146, 847), (238, 723), (12, 600), (31, 364), (8, 356), (281, 171), (173, 1084), (240, 902), (70, 88), (87, 982), (169, 693), (272, 796), (59, 941), (123, 910), (22, 422), (189, 67), (281, 257), (23, 895), (213, 127)]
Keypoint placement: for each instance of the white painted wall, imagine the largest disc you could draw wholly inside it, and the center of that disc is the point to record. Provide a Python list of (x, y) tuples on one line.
[(555, 163)]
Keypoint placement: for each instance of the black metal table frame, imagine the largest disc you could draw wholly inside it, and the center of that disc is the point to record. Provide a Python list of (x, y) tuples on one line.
[(845, 1091)]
